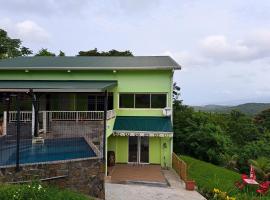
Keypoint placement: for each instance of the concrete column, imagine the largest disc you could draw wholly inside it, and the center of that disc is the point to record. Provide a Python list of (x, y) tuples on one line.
[(33, 120), (5, 123)]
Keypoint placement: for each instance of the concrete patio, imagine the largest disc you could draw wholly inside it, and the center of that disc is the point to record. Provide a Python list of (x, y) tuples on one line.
[(174, 190)]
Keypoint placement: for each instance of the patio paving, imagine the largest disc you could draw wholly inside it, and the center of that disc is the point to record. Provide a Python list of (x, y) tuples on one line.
[(136, 173), (175, 191)]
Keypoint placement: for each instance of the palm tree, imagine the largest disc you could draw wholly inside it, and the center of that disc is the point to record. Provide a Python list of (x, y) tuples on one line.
[(262, 167)]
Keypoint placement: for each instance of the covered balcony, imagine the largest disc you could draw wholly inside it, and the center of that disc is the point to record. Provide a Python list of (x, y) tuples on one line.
[(67, 114)]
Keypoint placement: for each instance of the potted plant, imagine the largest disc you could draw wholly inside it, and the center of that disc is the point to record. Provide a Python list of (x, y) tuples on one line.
[(190, 185)]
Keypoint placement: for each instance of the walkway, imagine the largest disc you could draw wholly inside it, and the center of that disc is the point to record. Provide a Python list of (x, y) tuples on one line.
[(175, 191)]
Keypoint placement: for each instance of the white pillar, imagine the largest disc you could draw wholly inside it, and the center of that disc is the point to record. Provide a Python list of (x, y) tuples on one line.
[(44, 121), (5, 123), (33, 120)]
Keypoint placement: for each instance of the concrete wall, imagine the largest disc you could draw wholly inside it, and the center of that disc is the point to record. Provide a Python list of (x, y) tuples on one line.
[(85, 175)]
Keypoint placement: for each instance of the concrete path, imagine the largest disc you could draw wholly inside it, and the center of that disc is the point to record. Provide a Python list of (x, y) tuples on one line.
[(176, 191)]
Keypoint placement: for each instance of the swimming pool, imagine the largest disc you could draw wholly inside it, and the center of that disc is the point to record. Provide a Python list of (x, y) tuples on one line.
[(52, 150)]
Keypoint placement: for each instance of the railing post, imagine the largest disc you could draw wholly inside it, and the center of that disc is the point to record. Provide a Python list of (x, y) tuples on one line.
[(5, 123), (77, 116)]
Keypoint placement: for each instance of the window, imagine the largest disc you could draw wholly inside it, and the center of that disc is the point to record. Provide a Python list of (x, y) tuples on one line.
[(142, 100), (158, 100), (126, 101)]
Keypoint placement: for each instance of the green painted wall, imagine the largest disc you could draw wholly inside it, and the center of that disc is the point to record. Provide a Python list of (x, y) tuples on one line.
[(109, 125), (157, 153), (165, 151), (154, 150), (128, 81)]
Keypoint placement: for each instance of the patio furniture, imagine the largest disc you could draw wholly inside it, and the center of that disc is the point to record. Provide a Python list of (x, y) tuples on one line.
[(245, 180), (263, 188)]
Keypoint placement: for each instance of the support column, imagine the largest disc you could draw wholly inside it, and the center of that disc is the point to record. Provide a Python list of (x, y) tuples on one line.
[(33, 119), (105, 124), (5, 123), (18, 132)]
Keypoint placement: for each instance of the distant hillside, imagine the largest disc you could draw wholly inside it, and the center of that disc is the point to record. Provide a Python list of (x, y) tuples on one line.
[(247, 108)]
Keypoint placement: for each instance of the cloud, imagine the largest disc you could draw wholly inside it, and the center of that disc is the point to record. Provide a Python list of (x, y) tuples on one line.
[(187, 59), (45, 7), (253, 47), (27, 30)]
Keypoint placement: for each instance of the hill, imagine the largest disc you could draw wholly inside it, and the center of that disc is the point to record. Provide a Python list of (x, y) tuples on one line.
[(247, 108)]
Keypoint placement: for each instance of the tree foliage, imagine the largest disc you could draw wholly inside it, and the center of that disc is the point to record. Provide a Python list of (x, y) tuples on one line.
[(230, 140), (10, 48), (44, 52), (113, 52)]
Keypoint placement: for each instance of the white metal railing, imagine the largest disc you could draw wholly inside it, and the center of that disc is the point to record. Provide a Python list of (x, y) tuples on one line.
[(26, 116), (74, 115)]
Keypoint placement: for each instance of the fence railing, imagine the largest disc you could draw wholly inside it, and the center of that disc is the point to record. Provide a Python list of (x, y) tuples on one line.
[(180, 167), (26, 116)]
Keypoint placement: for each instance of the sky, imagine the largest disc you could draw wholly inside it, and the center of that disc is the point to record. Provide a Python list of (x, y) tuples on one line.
[(222, 46)]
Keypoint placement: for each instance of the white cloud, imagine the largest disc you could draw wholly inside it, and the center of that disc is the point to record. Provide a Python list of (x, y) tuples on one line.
[(253, 47), (27, 30), (187, 59)]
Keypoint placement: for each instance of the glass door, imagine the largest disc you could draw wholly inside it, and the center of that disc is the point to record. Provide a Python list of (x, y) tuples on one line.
[(133, 149), (144, 149)]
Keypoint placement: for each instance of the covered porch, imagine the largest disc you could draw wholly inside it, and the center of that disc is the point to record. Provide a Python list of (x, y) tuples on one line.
[(67, 117)]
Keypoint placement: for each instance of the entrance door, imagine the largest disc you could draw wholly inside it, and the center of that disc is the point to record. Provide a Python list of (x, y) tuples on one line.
[(132, 149), (144, 149), (138, 149)]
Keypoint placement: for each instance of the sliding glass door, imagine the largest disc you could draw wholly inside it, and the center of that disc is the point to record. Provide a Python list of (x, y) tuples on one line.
[(138, 149)]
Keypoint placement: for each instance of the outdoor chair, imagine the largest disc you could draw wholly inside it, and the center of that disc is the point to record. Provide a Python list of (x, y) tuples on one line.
[(263, 188), (251, 180)]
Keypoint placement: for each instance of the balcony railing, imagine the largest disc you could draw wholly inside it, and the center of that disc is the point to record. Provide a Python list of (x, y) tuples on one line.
[(26, 116)]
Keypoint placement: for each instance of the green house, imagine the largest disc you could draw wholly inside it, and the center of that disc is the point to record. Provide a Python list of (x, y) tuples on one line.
[(127, 99)]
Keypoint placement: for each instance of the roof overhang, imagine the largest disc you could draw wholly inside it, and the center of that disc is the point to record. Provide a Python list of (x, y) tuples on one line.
[(55, 85)]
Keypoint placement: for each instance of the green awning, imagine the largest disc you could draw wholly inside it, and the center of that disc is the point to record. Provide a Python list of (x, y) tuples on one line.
[(143, 126), (55, 85)]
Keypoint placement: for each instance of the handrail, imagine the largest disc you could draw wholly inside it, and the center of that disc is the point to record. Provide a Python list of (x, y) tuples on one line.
[(180, 167), (26, 116)]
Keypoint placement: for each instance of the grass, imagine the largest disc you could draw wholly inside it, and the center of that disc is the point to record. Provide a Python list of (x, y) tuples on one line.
[(209, 176), (35, 191)]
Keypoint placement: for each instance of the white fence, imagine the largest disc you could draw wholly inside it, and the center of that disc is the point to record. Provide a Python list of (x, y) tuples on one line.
[(26, 116), (49, 116)]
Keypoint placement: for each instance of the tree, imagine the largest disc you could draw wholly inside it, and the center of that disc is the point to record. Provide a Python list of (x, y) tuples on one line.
[(61, 53), (10, 48), (113, 52), (263, 119), (44, 52)]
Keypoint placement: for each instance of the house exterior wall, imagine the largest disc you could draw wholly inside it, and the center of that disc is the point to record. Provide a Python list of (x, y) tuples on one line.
[(157, 153), (129, 81)]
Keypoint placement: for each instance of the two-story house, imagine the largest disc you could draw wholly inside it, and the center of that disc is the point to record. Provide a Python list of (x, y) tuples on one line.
[(122, 102)]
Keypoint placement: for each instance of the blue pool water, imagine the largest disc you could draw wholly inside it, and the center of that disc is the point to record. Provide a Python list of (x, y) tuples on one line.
[(51, 150)]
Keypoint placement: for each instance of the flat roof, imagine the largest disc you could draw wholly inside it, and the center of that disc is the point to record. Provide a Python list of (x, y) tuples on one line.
[(55, 86), (88, 63)]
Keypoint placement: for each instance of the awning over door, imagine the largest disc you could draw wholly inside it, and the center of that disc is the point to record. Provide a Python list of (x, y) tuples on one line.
[(143, 126), (55, 85)]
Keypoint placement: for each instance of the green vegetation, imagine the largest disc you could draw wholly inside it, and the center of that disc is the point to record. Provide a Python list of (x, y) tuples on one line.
[(250, 109), (209, 176), (36, 191)]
